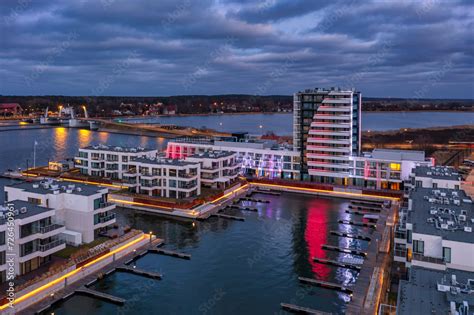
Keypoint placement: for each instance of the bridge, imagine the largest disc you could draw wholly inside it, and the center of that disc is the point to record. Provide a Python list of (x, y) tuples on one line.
[(158, 130)]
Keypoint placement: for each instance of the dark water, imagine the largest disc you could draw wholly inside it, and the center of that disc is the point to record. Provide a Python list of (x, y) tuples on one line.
[(282, 124), (236, 267)]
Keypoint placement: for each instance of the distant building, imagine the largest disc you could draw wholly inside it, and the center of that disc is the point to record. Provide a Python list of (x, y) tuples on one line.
[(170, 110), (10, 109)]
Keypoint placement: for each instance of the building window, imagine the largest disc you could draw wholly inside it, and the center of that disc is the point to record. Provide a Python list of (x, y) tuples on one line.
[(419, 183), (418, 247), (395, 166), (447, 254), (36, 201), (2, 238)]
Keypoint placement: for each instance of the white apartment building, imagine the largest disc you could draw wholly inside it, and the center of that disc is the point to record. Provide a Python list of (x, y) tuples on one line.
[(256, 158), (326, 131), (435, 177), (162, 177), (108, 161), (219, 169), (385, 169), (436, 230), (36, 236), (83, 209)]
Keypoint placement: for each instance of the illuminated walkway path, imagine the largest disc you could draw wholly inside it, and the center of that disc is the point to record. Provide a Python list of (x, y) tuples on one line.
[(42, 296)]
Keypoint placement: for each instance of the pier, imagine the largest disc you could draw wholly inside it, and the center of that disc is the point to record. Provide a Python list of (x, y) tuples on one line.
[(351, 235), (253, 200), (230, 217), (243, 208), (371, 209), (169, 253), (357, 212), (140, 272), (101, 295), (325, 284), (344, 250), (300, 309), (358, 223), (336, 263)]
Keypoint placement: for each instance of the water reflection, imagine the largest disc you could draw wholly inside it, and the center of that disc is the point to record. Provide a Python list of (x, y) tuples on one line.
[(85, 137), (60, 139)]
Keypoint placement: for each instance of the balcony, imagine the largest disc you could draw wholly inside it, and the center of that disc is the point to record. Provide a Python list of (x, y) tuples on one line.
[(49, 228), (400, 253), (50, 245), (107, 218), (428, 259)]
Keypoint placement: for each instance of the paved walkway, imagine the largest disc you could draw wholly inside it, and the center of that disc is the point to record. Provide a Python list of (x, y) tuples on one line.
[(71, 288)]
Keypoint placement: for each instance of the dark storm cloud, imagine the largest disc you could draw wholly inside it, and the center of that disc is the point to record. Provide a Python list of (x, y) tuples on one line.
[(167, 47)]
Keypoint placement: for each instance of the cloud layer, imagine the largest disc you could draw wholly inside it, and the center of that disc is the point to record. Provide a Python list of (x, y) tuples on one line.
[(419, 48)]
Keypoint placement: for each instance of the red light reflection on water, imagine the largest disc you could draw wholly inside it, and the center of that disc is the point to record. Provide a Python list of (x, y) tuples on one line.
[(316, 234)]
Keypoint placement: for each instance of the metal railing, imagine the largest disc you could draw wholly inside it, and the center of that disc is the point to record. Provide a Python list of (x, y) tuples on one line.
[(428, 259)]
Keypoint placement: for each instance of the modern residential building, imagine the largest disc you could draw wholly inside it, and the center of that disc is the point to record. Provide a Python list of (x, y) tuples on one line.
[(36, 236), (385, 169), (436, 230), (436, 292), (257, 158), (108, 161), (327, 132), (83, 209), (435, 177), (219, 169), (162, 177)]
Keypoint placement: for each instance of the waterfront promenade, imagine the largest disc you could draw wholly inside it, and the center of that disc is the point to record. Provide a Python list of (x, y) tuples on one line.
[(58, 286)]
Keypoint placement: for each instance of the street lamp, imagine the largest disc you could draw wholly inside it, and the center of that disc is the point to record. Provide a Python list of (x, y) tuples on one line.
[(151, 234)]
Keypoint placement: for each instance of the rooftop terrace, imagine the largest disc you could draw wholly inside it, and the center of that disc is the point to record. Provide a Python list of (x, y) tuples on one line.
[(102, 147), (58, 187)]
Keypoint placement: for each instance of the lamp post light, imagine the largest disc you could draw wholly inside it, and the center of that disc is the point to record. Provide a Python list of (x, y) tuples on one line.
[(151, 235)]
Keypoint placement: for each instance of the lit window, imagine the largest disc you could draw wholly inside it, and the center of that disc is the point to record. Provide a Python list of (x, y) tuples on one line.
[(395, 166)]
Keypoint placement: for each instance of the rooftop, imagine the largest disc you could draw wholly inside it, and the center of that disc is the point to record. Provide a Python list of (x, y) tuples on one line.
[(163, 161), (213, 154), (438, 172), (22, 210), (432, 291), (62, 187), (448, 213), (226, 144), (102, 147), (398, 155)]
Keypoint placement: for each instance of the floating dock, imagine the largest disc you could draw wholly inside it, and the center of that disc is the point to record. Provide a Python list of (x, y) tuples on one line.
[(358, 223), (253, 200), (230, 217), (101, 295), (300, 309), (325, 284), (365, 208), (344, 250), (169, 253), (356, 212), (336, 263), (243, 208), (140, 272), (351, 235)]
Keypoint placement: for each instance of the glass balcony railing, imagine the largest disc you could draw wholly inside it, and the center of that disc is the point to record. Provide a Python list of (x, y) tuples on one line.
[(50, 245), (105, 219), (49, 228)]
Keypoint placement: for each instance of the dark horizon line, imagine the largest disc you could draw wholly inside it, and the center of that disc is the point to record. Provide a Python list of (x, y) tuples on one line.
[(231, 94)]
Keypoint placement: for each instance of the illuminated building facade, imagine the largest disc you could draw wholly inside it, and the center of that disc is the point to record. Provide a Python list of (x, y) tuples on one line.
[(326, 132)]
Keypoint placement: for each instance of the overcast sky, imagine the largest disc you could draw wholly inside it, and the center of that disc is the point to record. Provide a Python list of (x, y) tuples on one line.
[(390, 48)]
